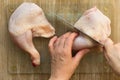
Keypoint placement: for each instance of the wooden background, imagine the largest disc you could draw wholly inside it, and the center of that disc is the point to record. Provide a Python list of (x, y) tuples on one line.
[(15, 65)]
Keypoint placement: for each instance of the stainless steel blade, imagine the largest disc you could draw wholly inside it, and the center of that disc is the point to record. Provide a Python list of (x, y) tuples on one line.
[(75, 29)]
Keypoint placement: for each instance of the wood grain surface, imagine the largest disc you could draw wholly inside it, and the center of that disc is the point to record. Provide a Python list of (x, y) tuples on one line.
[(15, 64)]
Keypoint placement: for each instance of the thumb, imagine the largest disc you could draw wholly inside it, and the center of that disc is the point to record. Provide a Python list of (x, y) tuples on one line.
[(108, 43), (80, 54)]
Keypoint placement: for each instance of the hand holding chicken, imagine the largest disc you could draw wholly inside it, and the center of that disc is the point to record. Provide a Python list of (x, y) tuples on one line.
[(97, 26), (112, 54), (63, 64)]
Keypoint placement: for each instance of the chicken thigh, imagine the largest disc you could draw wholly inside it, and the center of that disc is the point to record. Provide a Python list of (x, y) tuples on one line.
[(95, 24), (26, 22)]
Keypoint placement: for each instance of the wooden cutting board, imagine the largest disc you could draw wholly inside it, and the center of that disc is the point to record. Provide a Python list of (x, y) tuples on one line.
[(19, 61)]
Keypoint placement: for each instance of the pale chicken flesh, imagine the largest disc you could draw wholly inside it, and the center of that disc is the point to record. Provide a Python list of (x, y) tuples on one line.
[(95, 24), (26, 22)]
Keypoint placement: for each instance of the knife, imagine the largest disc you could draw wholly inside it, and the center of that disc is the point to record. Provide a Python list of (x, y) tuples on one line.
[(76, 30)]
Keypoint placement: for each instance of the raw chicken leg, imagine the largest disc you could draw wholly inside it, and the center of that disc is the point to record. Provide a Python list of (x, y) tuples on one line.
[(29, 21), (94, 24)]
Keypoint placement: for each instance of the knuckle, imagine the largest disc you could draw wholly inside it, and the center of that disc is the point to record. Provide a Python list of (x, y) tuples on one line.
[(64, 52), (62, 37), (59, 51), (68, 43)]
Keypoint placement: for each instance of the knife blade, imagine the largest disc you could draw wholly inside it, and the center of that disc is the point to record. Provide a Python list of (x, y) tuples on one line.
[(76, 30)]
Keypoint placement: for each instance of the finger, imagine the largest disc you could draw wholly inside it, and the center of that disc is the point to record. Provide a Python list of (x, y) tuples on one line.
[(108, 43), (117, 45), (51, 43), (63, 38), (79, 55), (69, 41), (56, 44), (107, 57)]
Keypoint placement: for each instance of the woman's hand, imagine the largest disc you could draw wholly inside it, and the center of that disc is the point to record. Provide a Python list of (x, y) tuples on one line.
[(63, 64)]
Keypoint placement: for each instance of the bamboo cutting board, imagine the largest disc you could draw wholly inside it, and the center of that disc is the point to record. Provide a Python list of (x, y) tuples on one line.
[(19, 62), (16, 65)]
